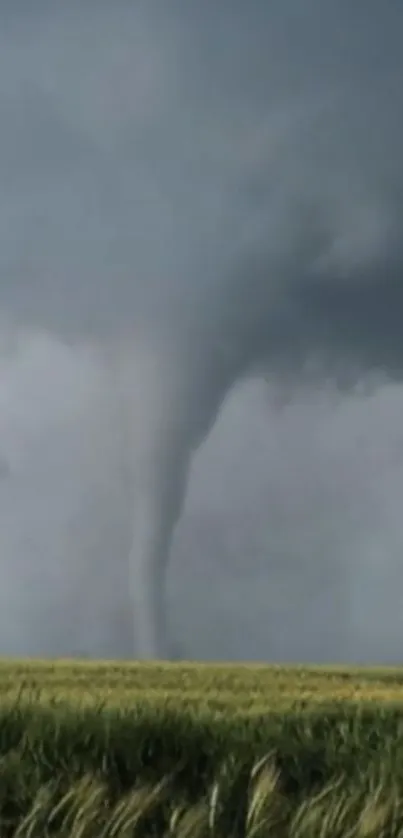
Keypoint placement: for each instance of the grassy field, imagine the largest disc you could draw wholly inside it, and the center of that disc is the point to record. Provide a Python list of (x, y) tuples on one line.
[(112, 750), (221, 689)]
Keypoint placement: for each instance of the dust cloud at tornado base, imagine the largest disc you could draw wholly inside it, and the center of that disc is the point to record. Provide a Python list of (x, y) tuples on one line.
[(205, 217)]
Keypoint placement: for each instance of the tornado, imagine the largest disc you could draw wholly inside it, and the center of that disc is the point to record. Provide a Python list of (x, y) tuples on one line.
[(167, 400), (202, 193)]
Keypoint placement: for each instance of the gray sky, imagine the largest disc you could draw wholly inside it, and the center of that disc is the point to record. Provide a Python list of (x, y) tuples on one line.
[(290, 545), (159, 160)]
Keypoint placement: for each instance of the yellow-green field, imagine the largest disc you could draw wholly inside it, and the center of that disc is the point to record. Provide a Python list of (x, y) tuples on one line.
[(199, 751), (219, 688)]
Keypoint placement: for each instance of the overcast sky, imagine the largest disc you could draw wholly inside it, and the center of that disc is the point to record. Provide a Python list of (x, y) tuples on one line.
[(146, 150)]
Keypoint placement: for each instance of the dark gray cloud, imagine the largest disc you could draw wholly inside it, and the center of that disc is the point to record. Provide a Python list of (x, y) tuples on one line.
[(150, 153), (197, 191)]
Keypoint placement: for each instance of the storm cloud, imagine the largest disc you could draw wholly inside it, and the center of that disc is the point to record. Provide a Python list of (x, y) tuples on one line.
[(193, 194)]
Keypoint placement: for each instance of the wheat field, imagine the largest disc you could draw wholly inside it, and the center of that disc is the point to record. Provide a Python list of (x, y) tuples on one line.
[(228, 689), (184, 750)]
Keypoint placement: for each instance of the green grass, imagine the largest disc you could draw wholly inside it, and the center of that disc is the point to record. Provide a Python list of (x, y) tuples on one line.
[(228, 689), (113, 749)]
